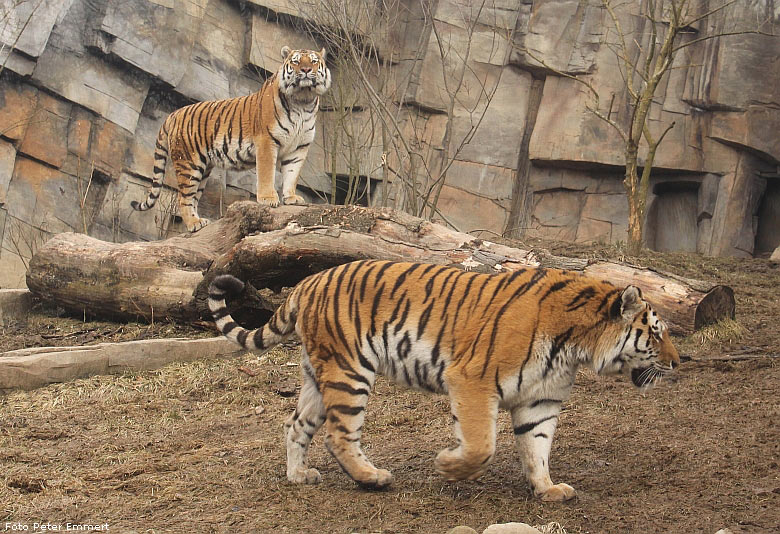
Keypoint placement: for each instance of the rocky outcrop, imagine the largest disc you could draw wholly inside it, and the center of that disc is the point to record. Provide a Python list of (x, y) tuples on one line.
[(86, 84), (706, 192)]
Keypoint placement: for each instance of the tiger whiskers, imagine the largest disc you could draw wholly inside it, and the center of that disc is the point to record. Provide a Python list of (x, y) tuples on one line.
[(646, 377), (652, 375)]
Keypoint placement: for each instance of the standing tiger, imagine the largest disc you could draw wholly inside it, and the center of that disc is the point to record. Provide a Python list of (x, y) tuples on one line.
[(489, 341), (274, 124)]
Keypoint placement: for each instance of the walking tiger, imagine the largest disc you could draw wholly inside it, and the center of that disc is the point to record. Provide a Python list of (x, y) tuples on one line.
[(489, 341), (274, 124)]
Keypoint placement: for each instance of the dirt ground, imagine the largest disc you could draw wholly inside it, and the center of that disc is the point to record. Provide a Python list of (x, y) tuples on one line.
[(50, 327), (198, 447)]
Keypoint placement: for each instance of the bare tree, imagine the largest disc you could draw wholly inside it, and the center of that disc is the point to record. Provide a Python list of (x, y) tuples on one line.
[(374, 127), (25, 240), (644, 59)]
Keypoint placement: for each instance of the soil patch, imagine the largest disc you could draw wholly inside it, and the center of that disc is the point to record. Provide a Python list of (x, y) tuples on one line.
[(198, 448), (51, 327)]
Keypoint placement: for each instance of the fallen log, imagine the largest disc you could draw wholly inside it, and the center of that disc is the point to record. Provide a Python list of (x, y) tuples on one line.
[(684, 304), (136, 279), (272, 249)]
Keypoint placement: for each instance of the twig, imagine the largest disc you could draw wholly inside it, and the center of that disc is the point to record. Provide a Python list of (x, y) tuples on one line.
[(737, 357)]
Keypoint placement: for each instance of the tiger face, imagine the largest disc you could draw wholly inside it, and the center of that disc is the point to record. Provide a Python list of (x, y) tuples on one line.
[(304, 74), (644, 348)]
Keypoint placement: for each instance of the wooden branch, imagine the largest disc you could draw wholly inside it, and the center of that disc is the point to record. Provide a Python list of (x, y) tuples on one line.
[(706, 14), (722, 34), (666, 131), (629, 67), (737, 357), (272, 249)]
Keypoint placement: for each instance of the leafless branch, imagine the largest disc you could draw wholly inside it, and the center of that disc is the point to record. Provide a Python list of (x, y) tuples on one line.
[(719, 35), (707, 14)]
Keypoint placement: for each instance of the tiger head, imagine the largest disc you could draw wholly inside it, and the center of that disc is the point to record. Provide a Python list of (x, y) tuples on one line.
[(636, 341), (303, 75)]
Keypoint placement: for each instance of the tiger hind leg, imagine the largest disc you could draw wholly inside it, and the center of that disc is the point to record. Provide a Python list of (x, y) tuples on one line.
[(301, 427), (534, 428), (474, 412), (345, 395), (196, 198), (190, 178)]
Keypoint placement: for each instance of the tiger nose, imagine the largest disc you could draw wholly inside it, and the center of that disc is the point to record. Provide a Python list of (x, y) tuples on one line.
[(306, 70)]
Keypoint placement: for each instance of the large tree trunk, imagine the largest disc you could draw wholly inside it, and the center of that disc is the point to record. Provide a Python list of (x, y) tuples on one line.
[(272, 249)]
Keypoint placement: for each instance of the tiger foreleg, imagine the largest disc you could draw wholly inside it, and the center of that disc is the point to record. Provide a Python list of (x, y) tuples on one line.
[(291, 169), (534, 427), (474, 413), (267, 151), (301, 427)]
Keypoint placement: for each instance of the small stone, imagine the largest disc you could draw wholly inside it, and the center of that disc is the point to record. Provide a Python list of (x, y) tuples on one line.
[(724, 531), (510, 528), (286, 388), (462, 530), (259, 410)]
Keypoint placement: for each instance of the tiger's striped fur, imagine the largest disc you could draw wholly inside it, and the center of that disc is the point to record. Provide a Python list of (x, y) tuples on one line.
[(511, 340), (275, 124)]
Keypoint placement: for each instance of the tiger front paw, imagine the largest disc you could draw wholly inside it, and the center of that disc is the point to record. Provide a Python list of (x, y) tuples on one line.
[(381, 478), (294, 199), (268, 200), (198, 224), (557, 493), (304, 475), (452, 466)]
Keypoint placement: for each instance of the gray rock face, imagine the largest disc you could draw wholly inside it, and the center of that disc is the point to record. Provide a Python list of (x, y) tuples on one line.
[(87, 84), (25, 32), (121, 30)]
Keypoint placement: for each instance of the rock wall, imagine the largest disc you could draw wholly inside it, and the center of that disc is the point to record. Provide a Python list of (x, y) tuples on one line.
[(86, 84), (712, 168)]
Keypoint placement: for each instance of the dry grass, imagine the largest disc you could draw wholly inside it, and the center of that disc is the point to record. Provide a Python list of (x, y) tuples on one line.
[(551, 528), (725, 331)]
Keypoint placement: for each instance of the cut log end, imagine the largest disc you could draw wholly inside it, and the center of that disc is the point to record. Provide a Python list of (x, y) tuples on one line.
[(717, 304)]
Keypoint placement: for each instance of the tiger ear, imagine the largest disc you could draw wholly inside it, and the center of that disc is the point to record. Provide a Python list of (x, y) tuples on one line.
[(285, 51), (630, 302), (324, 54)]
